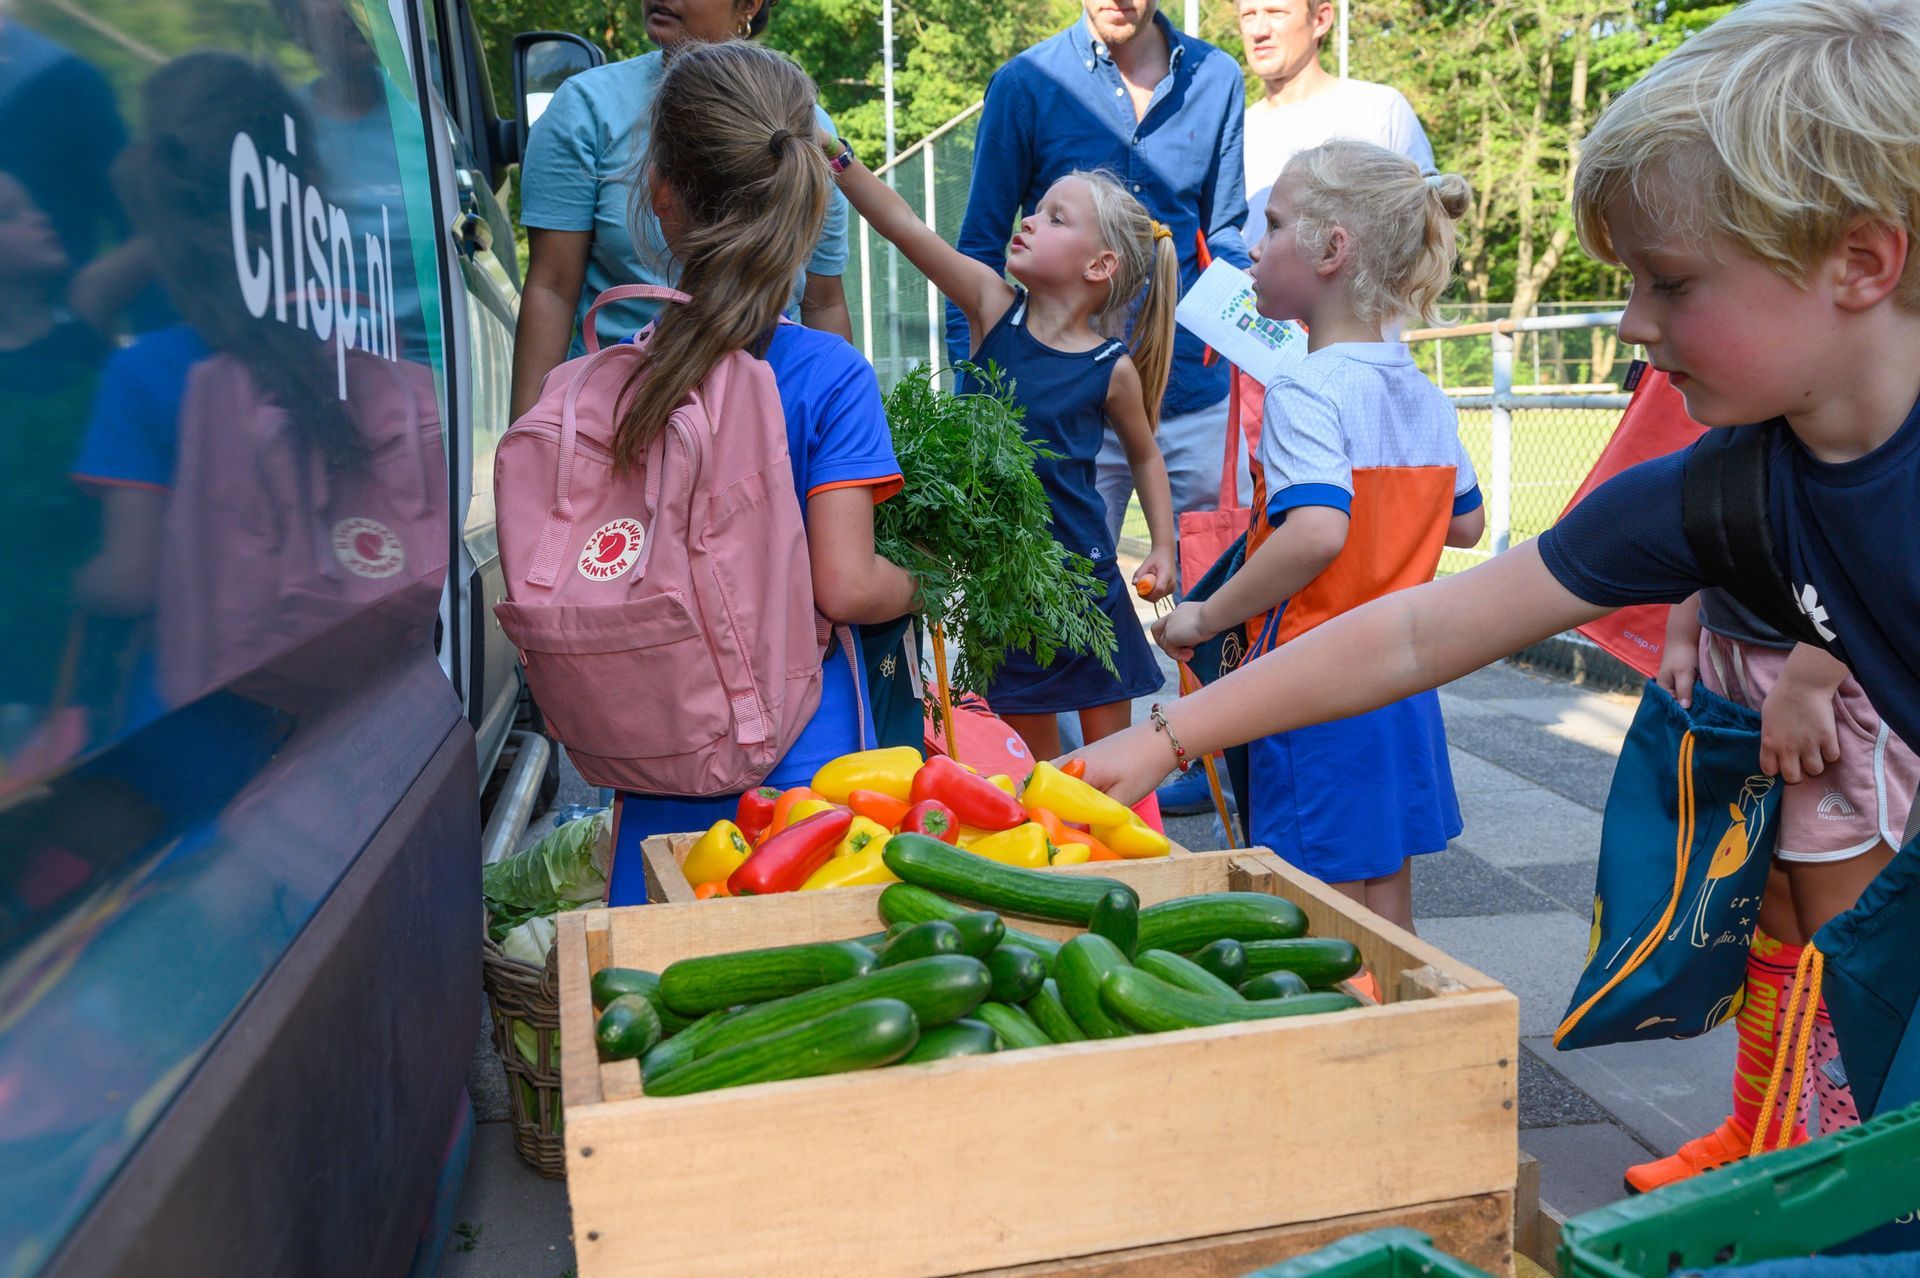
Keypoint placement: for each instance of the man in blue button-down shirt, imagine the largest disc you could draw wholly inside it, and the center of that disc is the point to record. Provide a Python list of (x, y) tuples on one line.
[(1122, 90)]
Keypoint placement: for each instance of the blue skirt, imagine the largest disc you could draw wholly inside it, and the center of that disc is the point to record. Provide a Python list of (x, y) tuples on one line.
[(1077, 680), (1354, 798)]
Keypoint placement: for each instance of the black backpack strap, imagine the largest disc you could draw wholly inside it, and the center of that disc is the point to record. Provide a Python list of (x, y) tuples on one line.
[(1724, 510)]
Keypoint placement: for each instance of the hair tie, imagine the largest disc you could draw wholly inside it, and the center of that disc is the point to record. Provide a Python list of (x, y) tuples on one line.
[(1435, 181), (779, 140), (1161, 231)]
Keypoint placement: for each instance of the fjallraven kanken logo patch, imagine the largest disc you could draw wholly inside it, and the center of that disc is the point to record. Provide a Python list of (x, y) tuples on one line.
[(613, 550), (368, 548)]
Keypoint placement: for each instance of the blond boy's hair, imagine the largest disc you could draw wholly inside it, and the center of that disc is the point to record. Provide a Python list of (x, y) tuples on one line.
[(1778, 128), (1400, 222)]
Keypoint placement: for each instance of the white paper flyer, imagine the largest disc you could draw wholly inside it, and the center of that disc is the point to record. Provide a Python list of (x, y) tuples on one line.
[(1219, 310)]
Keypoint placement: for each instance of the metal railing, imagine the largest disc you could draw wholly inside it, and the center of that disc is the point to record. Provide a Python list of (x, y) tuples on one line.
[(899, 317), (1540, 441)]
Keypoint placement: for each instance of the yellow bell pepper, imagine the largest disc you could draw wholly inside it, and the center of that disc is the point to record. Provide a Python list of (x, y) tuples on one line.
[(1072, 854), (970, 835), (860, 836), (806, 808), (1071, 799), (1133, 839), (859, 870), (888, 771), (718, 853), (1023, 845), (1004, 781)]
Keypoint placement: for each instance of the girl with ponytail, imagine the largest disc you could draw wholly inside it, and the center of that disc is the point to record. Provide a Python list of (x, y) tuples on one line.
[(1361, 480), (741, 190), (1082, 262)]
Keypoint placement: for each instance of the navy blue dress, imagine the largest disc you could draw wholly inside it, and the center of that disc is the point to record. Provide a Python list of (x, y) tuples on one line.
[(1064, 394)]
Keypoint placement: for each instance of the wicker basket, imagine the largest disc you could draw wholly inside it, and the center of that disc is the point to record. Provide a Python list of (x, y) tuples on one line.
[(520, 993)]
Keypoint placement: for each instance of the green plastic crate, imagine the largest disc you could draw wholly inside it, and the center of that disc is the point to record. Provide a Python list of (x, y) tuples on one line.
[(1792, 1203), (1381, 1253)]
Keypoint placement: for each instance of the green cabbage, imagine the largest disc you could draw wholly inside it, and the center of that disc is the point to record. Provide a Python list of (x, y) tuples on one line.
[(565, 869)]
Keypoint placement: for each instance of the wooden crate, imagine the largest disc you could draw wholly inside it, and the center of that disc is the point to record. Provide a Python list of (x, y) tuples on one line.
[(1213, 1145), (665, 856)]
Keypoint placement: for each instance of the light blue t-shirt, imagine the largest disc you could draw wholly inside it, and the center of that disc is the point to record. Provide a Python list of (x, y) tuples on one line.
[(579, 173)]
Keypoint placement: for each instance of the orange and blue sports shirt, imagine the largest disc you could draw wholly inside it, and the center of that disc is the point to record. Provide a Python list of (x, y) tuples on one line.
[(1356, 426)]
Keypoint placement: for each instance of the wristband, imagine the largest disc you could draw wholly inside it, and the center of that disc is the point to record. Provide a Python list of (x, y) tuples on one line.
[(842, 162), (1159, 718)]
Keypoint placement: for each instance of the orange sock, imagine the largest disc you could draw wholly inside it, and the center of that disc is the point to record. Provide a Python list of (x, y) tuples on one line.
[(1770, 968)]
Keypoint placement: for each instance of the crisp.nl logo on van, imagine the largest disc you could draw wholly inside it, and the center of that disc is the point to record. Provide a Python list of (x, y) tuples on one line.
[(311, 276)]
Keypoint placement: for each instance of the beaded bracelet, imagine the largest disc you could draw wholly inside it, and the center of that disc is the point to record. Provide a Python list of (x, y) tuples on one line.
[(1159, 718)]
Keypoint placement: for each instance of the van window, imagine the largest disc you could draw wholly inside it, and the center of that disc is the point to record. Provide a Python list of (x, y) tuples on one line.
[(224, 497)]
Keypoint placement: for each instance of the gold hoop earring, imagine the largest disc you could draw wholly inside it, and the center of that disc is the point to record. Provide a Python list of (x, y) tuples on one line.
[(746, 29)]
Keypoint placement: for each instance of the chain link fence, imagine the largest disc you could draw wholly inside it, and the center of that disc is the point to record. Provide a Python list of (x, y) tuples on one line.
[(899, 318)]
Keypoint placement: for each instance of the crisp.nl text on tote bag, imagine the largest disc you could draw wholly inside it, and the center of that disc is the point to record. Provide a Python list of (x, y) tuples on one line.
[(1684, 849)]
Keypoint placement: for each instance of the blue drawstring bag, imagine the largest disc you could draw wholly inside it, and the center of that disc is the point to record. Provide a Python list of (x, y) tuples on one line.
[(1684, 849)]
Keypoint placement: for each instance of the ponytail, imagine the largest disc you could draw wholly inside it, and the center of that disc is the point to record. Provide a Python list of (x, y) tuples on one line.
[(1145, 259), (1153, 326), (733, 140)]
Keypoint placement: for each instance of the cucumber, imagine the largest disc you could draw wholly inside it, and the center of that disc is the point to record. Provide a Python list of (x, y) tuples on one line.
[(872, 940), (1184, 972), (1015, 1028), (939, 989), (905, 903), (697, 985), (682, 1047), (1186, 923), (1017, 973), (1051, 1015), (875, 1032), (628, 1028), (1279, 983), (918, 941), (1083, 963), (964, 1037), (1149, 1004), (1116, 916), (1320, 961), (980, 932), (610, 983), (929, 863), (1225, 959)]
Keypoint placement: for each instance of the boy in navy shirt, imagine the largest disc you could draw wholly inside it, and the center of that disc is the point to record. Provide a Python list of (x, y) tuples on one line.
[(1762, 186)]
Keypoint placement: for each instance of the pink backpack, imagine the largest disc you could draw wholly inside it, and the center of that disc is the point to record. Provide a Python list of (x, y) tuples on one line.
[(665, 614), (267, 548)]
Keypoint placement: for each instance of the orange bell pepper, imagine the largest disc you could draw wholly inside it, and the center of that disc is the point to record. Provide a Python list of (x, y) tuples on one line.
[(782, 807), (1065, 835), (707, 891), (881, 809)]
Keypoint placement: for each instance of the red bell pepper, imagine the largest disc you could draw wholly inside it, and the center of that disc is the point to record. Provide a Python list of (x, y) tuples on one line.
[(755, 812), (789, 857), (934, 818), (881, 809), (977, 801)]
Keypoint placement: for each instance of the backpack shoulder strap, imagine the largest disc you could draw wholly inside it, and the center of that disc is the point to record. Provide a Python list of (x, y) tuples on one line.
[(1724, 511)]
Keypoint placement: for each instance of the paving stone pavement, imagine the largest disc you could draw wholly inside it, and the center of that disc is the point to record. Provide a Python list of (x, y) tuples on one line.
[(1532, 759)]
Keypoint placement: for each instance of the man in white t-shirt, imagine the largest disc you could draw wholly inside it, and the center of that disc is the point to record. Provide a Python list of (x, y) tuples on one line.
[(1304, 105)]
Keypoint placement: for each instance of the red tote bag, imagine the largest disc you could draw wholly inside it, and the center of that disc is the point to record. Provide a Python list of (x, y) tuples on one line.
[(1654, 424)]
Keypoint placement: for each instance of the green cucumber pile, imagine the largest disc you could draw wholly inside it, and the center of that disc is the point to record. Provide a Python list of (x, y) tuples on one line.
[(950, 977)]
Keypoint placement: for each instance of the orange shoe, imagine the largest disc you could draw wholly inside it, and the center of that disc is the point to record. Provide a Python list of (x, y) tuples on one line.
[(1731, 1141)]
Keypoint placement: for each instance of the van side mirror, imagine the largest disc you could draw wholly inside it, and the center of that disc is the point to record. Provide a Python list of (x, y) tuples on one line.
[(542, 62)]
